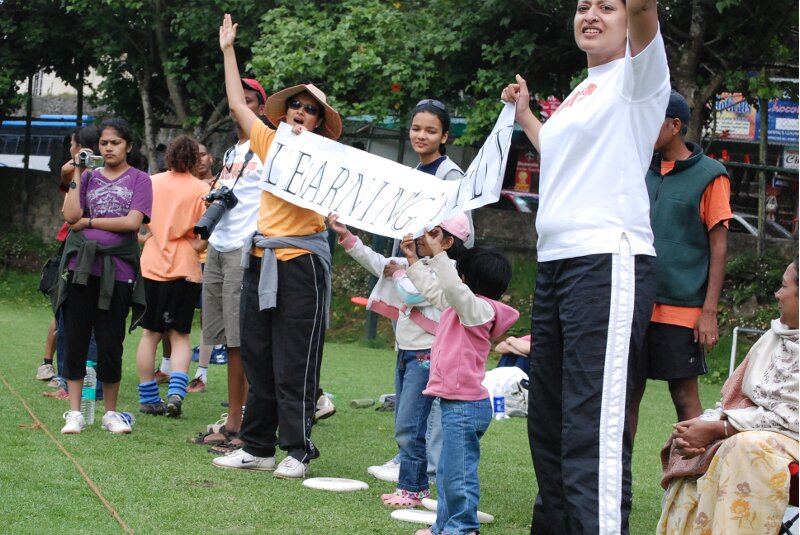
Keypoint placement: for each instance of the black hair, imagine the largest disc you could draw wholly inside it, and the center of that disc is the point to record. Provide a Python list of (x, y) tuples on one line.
[(87, 138), (432, 106), (457, 249), (123, 129), (182, 154), (684, 129), (485, 271)]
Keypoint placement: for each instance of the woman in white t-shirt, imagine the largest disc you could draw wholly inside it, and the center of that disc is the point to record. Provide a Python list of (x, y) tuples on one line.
[(595, 284)]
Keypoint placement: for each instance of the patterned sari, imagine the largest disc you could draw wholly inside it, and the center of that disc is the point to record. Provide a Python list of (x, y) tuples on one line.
[(741, 485)]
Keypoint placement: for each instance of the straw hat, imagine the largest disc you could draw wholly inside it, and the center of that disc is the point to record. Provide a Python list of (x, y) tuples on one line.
[(276, 109)]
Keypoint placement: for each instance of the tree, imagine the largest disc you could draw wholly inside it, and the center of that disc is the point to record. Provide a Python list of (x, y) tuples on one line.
[(160, 62), (711, 45), (34, 33)]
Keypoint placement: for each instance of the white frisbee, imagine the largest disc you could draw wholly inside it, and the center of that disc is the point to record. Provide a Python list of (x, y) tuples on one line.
[(335, 484), (483, 518), (414, 515)]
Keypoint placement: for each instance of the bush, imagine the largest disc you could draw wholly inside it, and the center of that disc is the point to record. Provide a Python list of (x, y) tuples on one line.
[(24, 251)]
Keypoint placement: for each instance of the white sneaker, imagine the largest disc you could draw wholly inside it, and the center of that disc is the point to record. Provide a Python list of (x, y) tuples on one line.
[(325, 408), (243, 460), (114, 423), (45, 372), (75, 423), (388, 471), (291, 468)]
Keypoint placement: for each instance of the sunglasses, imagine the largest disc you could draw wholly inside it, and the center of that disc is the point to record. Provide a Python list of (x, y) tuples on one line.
[(432, 102), (309, 108)]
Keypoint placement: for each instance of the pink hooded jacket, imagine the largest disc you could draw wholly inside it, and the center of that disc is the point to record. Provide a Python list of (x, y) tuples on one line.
[(464, 337)]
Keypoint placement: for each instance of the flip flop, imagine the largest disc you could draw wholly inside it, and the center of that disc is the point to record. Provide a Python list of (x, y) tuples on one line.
[(227, 447), (213, 439)]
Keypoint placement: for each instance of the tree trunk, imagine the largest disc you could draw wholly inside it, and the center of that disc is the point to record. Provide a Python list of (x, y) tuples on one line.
[(687, 65), (143, 85), (173, 88), (79, 89)]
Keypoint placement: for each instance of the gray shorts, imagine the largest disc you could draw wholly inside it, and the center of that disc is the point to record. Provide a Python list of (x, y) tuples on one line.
[(222, 288)]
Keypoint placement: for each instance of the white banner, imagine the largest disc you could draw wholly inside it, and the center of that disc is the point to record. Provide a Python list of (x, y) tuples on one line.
[(375, 194)]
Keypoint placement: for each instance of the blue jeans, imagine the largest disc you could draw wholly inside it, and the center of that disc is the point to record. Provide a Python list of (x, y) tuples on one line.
[(61, 351), (433, 438), (463, 425), (411, 417)]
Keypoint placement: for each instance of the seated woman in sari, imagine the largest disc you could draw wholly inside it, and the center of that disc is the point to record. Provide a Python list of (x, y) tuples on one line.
[(727, 471)]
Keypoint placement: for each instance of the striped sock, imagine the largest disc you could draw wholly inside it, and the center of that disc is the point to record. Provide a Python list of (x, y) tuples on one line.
[(148, 392), (177, 384)]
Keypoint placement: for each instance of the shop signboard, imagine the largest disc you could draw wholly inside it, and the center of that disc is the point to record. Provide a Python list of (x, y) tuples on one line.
[(791, 157), (782, 123), (527, 165), (736, 119)]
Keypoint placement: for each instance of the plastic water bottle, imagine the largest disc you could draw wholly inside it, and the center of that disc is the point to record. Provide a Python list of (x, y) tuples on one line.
[(499, 402), (89, 393)]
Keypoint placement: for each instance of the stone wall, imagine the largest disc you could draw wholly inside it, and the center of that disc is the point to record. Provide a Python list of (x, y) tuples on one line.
[(33, 204), (515, 232)]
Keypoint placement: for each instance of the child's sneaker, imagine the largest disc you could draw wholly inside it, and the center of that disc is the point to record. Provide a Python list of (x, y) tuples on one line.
[(45, 372), (174, 404), (389, 471), (113, 422), (196, 385), (156, 408), (325, 408), (75, 423)]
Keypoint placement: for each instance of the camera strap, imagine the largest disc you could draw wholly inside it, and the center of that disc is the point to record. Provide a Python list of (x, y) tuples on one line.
[(247, 157)]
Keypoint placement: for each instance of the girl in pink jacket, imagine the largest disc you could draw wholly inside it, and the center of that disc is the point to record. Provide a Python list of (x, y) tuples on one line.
[(458, 365)]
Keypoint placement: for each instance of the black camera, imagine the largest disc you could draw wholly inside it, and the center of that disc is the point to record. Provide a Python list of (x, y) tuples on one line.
[(221, 200)]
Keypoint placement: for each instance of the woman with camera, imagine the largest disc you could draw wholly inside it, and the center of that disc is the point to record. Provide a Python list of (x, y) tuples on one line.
[(104, 208), (172, 275)]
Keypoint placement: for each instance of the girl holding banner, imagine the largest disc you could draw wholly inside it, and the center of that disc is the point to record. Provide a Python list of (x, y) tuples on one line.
[(595, 282)]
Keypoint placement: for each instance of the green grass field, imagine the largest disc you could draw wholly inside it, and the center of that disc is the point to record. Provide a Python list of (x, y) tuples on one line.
[(158, 483)]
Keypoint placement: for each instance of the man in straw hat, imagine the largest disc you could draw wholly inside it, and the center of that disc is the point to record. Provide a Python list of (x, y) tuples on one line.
[(284, 291)]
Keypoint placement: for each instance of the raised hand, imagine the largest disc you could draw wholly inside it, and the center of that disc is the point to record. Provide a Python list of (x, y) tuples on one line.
[(227, 32)]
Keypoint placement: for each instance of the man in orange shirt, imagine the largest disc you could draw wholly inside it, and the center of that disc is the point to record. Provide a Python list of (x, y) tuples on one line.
[(689, 212)]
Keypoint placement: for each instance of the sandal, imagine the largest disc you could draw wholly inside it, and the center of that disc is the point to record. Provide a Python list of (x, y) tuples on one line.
[(61, 393), (400, 501), (213, 438), (227, 447)]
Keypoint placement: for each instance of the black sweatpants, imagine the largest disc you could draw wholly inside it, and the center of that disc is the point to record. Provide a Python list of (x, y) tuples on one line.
[(81, 316), (589, 318), (282, 355)]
